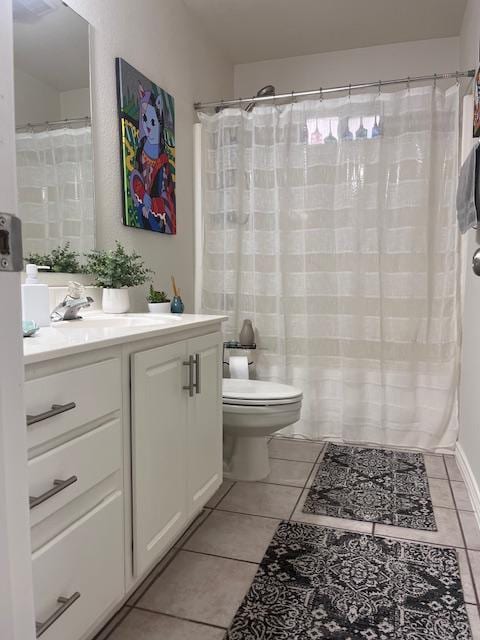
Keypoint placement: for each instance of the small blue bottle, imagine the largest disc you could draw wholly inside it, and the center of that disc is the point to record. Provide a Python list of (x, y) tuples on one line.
[(177, 305)]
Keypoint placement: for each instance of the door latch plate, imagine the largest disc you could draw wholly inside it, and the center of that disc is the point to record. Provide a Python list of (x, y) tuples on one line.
[(11, 253)]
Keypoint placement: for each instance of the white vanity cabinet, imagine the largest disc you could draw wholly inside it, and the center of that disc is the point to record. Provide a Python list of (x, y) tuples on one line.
[(124, 432), (176, 440), (75, 466), (204, 437)]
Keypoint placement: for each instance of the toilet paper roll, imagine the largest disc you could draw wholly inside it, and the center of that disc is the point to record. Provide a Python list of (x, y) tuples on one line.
[(239, 367)]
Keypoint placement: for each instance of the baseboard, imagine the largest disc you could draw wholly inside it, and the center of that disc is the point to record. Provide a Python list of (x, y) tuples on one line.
[(470, 480)]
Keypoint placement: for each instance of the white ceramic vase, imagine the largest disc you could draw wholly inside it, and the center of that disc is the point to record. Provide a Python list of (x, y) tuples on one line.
[(115, 300), (159, 307)]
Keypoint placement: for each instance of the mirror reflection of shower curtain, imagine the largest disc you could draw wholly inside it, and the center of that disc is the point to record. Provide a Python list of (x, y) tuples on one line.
[(343, 250), (55, 189)]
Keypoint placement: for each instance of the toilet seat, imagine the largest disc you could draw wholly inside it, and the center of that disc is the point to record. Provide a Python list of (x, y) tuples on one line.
[(258, 393)]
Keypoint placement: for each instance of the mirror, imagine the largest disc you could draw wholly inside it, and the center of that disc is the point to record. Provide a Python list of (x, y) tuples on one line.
[(53, 127)]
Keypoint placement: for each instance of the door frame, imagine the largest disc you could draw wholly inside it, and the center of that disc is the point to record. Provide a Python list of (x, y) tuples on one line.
[(16, 591)]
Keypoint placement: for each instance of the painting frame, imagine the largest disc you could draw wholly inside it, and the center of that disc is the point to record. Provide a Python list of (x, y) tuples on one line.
[(146, 116), (476, 104)]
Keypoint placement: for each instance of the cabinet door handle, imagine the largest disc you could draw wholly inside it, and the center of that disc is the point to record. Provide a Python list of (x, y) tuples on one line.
[(58, 485), (197, 373), (190, 386), (54, 411), (65, 603)]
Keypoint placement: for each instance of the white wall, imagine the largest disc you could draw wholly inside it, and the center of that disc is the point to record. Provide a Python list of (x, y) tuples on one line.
[(469, 387), (163, 41), (344, 67), (35, 101)]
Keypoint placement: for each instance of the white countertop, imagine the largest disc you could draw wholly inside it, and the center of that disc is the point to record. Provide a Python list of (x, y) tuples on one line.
[(96, 330)]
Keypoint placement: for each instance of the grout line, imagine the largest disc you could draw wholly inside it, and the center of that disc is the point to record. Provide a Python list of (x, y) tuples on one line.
[(282, 484), (441, 506), (428, 542), (296, 504), (119, 622), (329, 526), (448, 472), (217, 555), (234, 482), (257, 515), (472, 577), (452, 494), (292, 460), (179, 546), (475, 589), (459, 511), (312, 472), (171, 615), (301, 439), (174, 550), (321, 454), (144, 585)]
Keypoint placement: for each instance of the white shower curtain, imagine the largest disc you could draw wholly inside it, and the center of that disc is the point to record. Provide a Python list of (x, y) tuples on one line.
[(55, 189), (331, 224)]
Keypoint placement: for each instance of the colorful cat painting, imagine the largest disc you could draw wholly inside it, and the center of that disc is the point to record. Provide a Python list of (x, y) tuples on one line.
[(147, 125)]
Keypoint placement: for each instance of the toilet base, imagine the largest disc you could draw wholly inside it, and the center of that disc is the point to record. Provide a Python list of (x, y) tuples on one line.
[(245, 458)]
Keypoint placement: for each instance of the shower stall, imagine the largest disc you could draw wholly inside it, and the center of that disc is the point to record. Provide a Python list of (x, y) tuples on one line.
[(331, 224)]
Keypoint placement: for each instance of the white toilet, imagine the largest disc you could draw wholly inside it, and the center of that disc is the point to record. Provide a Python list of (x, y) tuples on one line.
[(252, 410)]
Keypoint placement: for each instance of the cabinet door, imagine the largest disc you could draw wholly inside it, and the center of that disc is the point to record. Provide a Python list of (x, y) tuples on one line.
[(159, 474), (204, 433)]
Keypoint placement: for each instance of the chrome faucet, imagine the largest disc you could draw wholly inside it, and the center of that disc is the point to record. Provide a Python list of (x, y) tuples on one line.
[(68, 309), (72, 303)]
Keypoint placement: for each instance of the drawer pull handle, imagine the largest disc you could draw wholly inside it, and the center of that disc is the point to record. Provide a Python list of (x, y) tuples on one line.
[(58, 485), (65, 603), (190, 386), (56, 410)]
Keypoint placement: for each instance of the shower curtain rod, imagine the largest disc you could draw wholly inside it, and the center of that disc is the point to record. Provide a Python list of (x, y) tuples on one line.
[(53, 123), (349, 87)]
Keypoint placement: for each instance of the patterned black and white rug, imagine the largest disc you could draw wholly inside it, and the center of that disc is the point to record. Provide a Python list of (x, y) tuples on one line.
[(375, 485), (316, 583)]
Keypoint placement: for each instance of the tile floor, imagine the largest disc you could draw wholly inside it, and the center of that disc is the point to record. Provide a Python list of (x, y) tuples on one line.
[(196, 589)]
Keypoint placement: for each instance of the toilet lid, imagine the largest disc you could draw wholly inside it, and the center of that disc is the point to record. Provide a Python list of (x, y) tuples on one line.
[(258, 392)]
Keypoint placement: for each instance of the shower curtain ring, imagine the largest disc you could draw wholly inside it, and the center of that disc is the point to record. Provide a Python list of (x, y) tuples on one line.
[(457, 78), (379, 87), (321, 94), (408, 83), (434, 80), (349, 91), (292, 98)]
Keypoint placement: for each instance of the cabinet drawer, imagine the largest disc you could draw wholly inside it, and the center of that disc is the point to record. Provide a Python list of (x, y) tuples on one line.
[(85, 559), (63, 473), (80, 396)]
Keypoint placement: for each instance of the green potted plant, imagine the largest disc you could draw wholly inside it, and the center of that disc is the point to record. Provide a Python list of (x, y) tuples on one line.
[(63, 259), (115, 271), (158, 301)]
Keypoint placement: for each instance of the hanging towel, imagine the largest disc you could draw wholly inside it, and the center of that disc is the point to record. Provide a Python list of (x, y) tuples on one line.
[(467, 212)]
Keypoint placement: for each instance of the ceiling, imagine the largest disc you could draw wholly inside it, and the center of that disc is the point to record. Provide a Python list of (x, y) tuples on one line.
[(253, 30), (54, 48)]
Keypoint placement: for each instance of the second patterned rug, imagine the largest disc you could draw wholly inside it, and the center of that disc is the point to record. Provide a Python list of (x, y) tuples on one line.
[(318, 583), (374, 485)]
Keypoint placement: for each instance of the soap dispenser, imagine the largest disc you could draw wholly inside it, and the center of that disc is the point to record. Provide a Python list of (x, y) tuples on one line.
[(35, 298)]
